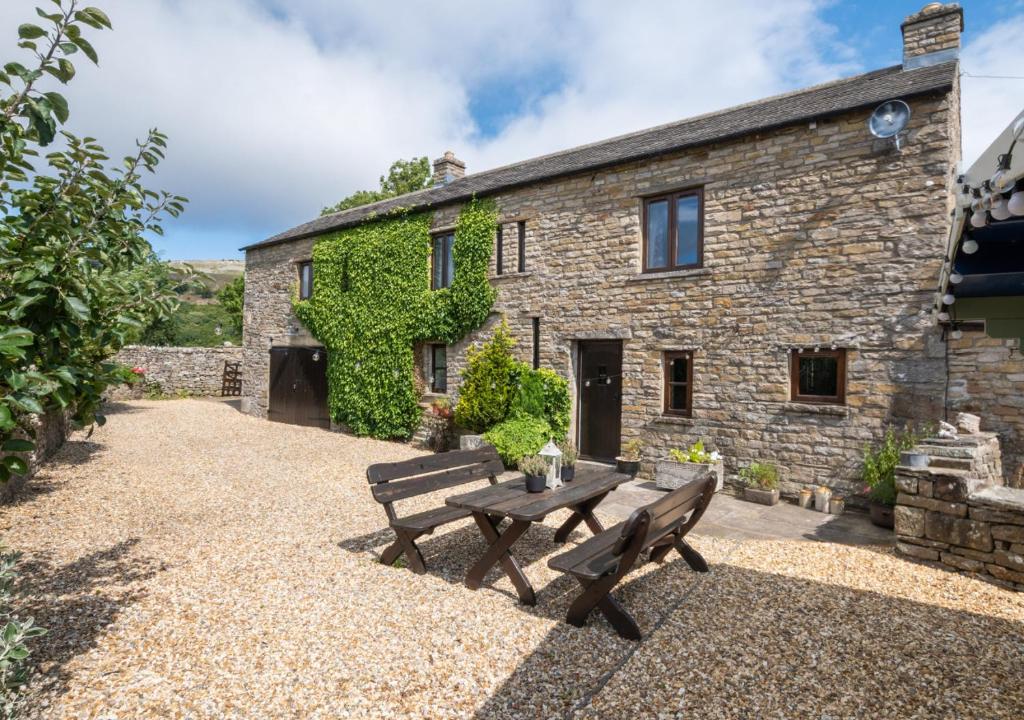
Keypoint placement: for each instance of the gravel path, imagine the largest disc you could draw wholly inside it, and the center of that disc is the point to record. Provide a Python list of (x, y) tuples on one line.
[(192, 562)]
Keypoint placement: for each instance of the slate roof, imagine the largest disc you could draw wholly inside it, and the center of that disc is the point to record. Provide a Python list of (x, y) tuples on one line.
[(815, 102)]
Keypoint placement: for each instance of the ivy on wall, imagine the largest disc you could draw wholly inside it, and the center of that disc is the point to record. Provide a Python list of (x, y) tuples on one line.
[(372, 301)]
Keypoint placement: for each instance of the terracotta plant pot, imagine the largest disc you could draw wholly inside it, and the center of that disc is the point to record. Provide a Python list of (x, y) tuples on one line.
[(627, 467), (568, 473), (882, 515), (536, 483), (761, 497)]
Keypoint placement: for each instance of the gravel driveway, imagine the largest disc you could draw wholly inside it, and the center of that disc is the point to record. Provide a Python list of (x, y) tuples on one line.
[(192, 562)]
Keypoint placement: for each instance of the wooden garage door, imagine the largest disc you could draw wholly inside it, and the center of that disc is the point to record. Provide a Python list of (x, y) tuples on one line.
[(298, 386)]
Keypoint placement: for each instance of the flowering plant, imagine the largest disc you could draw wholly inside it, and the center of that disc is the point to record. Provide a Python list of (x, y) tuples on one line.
[(695, 454)]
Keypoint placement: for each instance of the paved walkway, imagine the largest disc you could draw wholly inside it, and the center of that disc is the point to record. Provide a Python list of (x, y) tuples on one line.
[(729, 517)]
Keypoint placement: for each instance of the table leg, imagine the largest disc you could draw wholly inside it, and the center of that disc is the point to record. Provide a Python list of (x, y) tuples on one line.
[(584, 512), (498, 551)]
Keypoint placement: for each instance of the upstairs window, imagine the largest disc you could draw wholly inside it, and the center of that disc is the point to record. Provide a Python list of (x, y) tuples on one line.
[(678, 383), (499, 261), (306, 280), (818, 376), (521, 227), (442, 262), (674, 231)]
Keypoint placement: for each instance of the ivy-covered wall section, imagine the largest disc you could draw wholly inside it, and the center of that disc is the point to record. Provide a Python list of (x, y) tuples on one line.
[(372, 301)]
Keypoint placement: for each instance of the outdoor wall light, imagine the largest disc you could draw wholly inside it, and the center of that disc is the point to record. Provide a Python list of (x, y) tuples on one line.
[(970, 246), (948, 299)]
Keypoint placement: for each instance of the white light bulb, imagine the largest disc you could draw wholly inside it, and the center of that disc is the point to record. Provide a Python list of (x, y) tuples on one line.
[(948, 299), (956, 278), (1016, 203), (999, 209), (970, 246), (977, 205), (957, 334), (979, 219), (1000, 182), (943, 317)]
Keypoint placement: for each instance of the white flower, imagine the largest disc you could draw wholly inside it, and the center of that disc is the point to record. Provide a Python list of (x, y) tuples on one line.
[(716, 456)]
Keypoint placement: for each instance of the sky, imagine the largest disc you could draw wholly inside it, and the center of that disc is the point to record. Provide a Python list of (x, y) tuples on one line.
[(276, 108)]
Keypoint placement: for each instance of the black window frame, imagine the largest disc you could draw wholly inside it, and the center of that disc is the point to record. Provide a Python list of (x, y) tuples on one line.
[(794, 376), (448, 239), (305, 293), (521, 230), (499, 256), (536, 343), (667, 357), (435, 386), (673, 230)]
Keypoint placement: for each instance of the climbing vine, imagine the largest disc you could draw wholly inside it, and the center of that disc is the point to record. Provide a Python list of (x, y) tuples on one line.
[(372, 301)]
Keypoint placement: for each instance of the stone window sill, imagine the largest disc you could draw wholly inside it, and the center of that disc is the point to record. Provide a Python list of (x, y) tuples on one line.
[(672, 420), (670, 274), (815, 409), (510, 275)]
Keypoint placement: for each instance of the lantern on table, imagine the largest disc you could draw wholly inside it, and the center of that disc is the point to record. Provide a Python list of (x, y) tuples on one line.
[(553, 457)]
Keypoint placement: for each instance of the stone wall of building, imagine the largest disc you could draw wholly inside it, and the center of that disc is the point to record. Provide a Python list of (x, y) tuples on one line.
[(271, 283), (195, 370), (986, 377), (956, 511)]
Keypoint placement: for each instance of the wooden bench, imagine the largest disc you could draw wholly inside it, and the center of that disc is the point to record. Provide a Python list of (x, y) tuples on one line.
[(402, 480), (602, 561)]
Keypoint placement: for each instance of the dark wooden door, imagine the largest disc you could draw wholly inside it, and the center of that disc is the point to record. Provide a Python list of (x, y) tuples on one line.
[(600, 402), (298, 386)]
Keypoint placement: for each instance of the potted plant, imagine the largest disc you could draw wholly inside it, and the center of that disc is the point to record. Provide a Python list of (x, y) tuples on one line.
[(569, 457), (762, 483), (629, 461), (442, 408), (683, 467), (879, 474), (536, 470), (822, 496)]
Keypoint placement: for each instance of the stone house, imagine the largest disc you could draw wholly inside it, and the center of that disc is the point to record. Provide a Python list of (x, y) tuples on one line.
[(761, 278)]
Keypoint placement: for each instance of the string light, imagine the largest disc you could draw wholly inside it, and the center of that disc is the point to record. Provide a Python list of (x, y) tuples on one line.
[(980, 219), (943, 317), (956, 278), (948, 299), (970, 246)]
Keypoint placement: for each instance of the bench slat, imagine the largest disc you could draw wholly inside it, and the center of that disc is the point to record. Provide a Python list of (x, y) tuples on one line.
[(386, 472), (581, 559), (402, 489), (426, 521)]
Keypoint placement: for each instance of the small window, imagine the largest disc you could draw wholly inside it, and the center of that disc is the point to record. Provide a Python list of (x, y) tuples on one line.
[(438, 369), (678, 383), (818, 376), (674, 231), (499, 258), (442, 262), (306, 280), (536, 343), (521, 227)]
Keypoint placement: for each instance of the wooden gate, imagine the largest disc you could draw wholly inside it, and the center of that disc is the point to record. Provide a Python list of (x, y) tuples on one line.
[(298, 386), (231, 381)]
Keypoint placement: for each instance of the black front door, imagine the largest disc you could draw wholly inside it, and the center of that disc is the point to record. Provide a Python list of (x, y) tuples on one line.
[(298, 386), (600, 404)]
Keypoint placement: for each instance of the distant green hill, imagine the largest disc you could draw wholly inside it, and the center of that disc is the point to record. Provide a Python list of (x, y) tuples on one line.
[(217, 274)]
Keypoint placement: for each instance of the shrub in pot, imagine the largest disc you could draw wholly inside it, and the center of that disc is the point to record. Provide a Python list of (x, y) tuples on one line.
[(879, 473), (683, 467), (569, 457), (629, 461), (536, 470), (762, 483), (518, 437)]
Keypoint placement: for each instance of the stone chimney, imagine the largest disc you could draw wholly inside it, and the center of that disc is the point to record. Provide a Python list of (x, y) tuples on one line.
[(932, 35), (448, 168)]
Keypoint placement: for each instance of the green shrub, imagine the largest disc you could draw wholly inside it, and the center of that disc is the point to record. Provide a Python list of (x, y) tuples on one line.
[(879, 470), (488, 384), (14, 646), (543, 394), (632, 450), (764, 476), (518, 437)]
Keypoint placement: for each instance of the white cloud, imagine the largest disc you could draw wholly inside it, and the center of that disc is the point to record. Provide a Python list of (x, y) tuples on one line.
[(989, 104), (275, 109)]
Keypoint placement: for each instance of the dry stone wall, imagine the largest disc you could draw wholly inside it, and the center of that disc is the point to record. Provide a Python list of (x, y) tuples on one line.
[(986, 377), (195, 370), (956, 511)]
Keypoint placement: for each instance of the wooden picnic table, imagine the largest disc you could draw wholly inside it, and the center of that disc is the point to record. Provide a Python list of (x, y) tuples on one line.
[(511, 500)]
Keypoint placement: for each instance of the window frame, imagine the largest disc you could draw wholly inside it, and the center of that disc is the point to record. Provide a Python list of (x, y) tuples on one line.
[(667, 356), (673, 230), (499, 259), (794, 377), (434, 347), (449, 237), (521, 232), (301, 268)]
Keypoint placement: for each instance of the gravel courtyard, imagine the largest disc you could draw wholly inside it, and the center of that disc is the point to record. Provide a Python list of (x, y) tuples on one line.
[(192, 562)]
